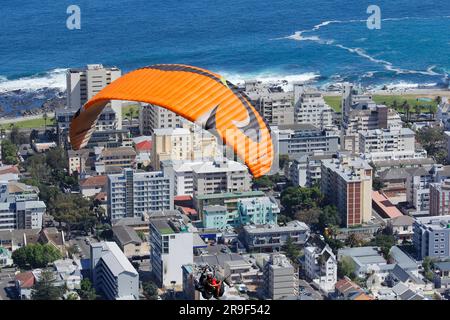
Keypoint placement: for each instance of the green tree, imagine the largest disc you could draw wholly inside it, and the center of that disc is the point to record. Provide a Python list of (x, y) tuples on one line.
[(72, 296), (385, 242), (346, 268), (45, 288), (150, 290), (283, 160), (329, 217), (294, 199), (87, 291), (263, 182), (35, 256), (434, 141), (291, 249), (9, 152), (377, 184), (353, 240), (427, 265)]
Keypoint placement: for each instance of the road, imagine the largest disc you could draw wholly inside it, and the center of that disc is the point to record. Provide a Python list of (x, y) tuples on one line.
[(307, 291), (81, 242)]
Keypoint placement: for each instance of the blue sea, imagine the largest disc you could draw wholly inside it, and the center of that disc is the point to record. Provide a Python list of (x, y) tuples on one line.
[(322, 40)]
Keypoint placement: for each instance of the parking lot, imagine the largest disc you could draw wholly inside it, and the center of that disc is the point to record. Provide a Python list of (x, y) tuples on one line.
[(307, 292), (82, 243)]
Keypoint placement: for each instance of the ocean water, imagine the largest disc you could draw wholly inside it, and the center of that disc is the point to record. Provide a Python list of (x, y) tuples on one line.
[(324, 41)]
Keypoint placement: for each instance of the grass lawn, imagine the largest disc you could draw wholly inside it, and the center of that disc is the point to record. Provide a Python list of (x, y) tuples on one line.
[(335, 101), (134, 108), (28, 124)]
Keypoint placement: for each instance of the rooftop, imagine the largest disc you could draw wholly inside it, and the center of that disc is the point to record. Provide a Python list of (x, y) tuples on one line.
[(94, 181), (294, 225), (385, 206), (230, 195), (126, 235), (114, 258)]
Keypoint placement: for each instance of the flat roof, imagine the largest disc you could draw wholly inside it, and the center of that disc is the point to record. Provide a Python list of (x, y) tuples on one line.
[(230, 195)]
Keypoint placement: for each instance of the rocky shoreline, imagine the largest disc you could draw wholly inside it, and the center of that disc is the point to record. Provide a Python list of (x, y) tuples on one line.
[(27, 103)]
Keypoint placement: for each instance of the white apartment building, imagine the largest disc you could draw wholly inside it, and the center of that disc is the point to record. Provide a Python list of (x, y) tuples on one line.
[(187, 143), (131, 194), (387, 140), (220, 176), (182, 174), (280, 278), (112, 274), (152, 117), (418, 189), (275, 106), (20, 207), (84, 83), (347, 183), (306, 170), (432, 237), (310, 108), (171, 243), (321, 267)]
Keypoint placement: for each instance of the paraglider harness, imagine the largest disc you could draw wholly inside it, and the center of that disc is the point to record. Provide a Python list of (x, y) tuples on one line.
[(208, 284)]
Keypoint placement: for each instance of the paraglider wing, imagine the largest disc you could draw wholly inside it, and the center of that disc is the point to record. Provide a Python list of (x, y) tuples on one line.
[(195, 94)]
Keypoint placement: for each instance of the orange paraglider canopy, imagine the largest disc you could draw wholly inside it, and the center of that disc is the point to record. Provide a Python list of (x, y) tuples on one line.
[(196, 94)]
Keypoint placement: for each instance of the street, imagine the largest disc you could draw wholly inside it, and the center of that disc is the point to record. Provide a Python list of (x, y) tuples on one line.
[(308, 292)]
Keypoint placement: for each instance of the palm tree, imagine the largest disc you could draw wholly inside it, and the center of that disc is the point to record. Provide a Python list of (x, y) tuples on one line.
[(45, 116), (417, 109), (406, 107)]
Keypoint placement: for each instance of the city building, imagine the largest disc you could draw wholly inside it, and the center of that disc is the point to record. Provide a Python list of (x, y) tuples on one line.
[(432, 237), (361, 113), (418, 190), (347, 183), (311, 108), (112, 274), (106, 134), (85, 83), (305, 171), (220, 177), (378, 141), (5, 258), (269, 238), (299, 139), (280, 278), (153, 117), (321, 267), (171, 243), (182, 174), (440, 198), (187, 143), (131, 194), (113, 160), (129, 241), (91, 186), (228, 199), (20, 207), (367, 260), (348, 290), (261, 210), (275, 105), (77, 160), (402, 228)]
